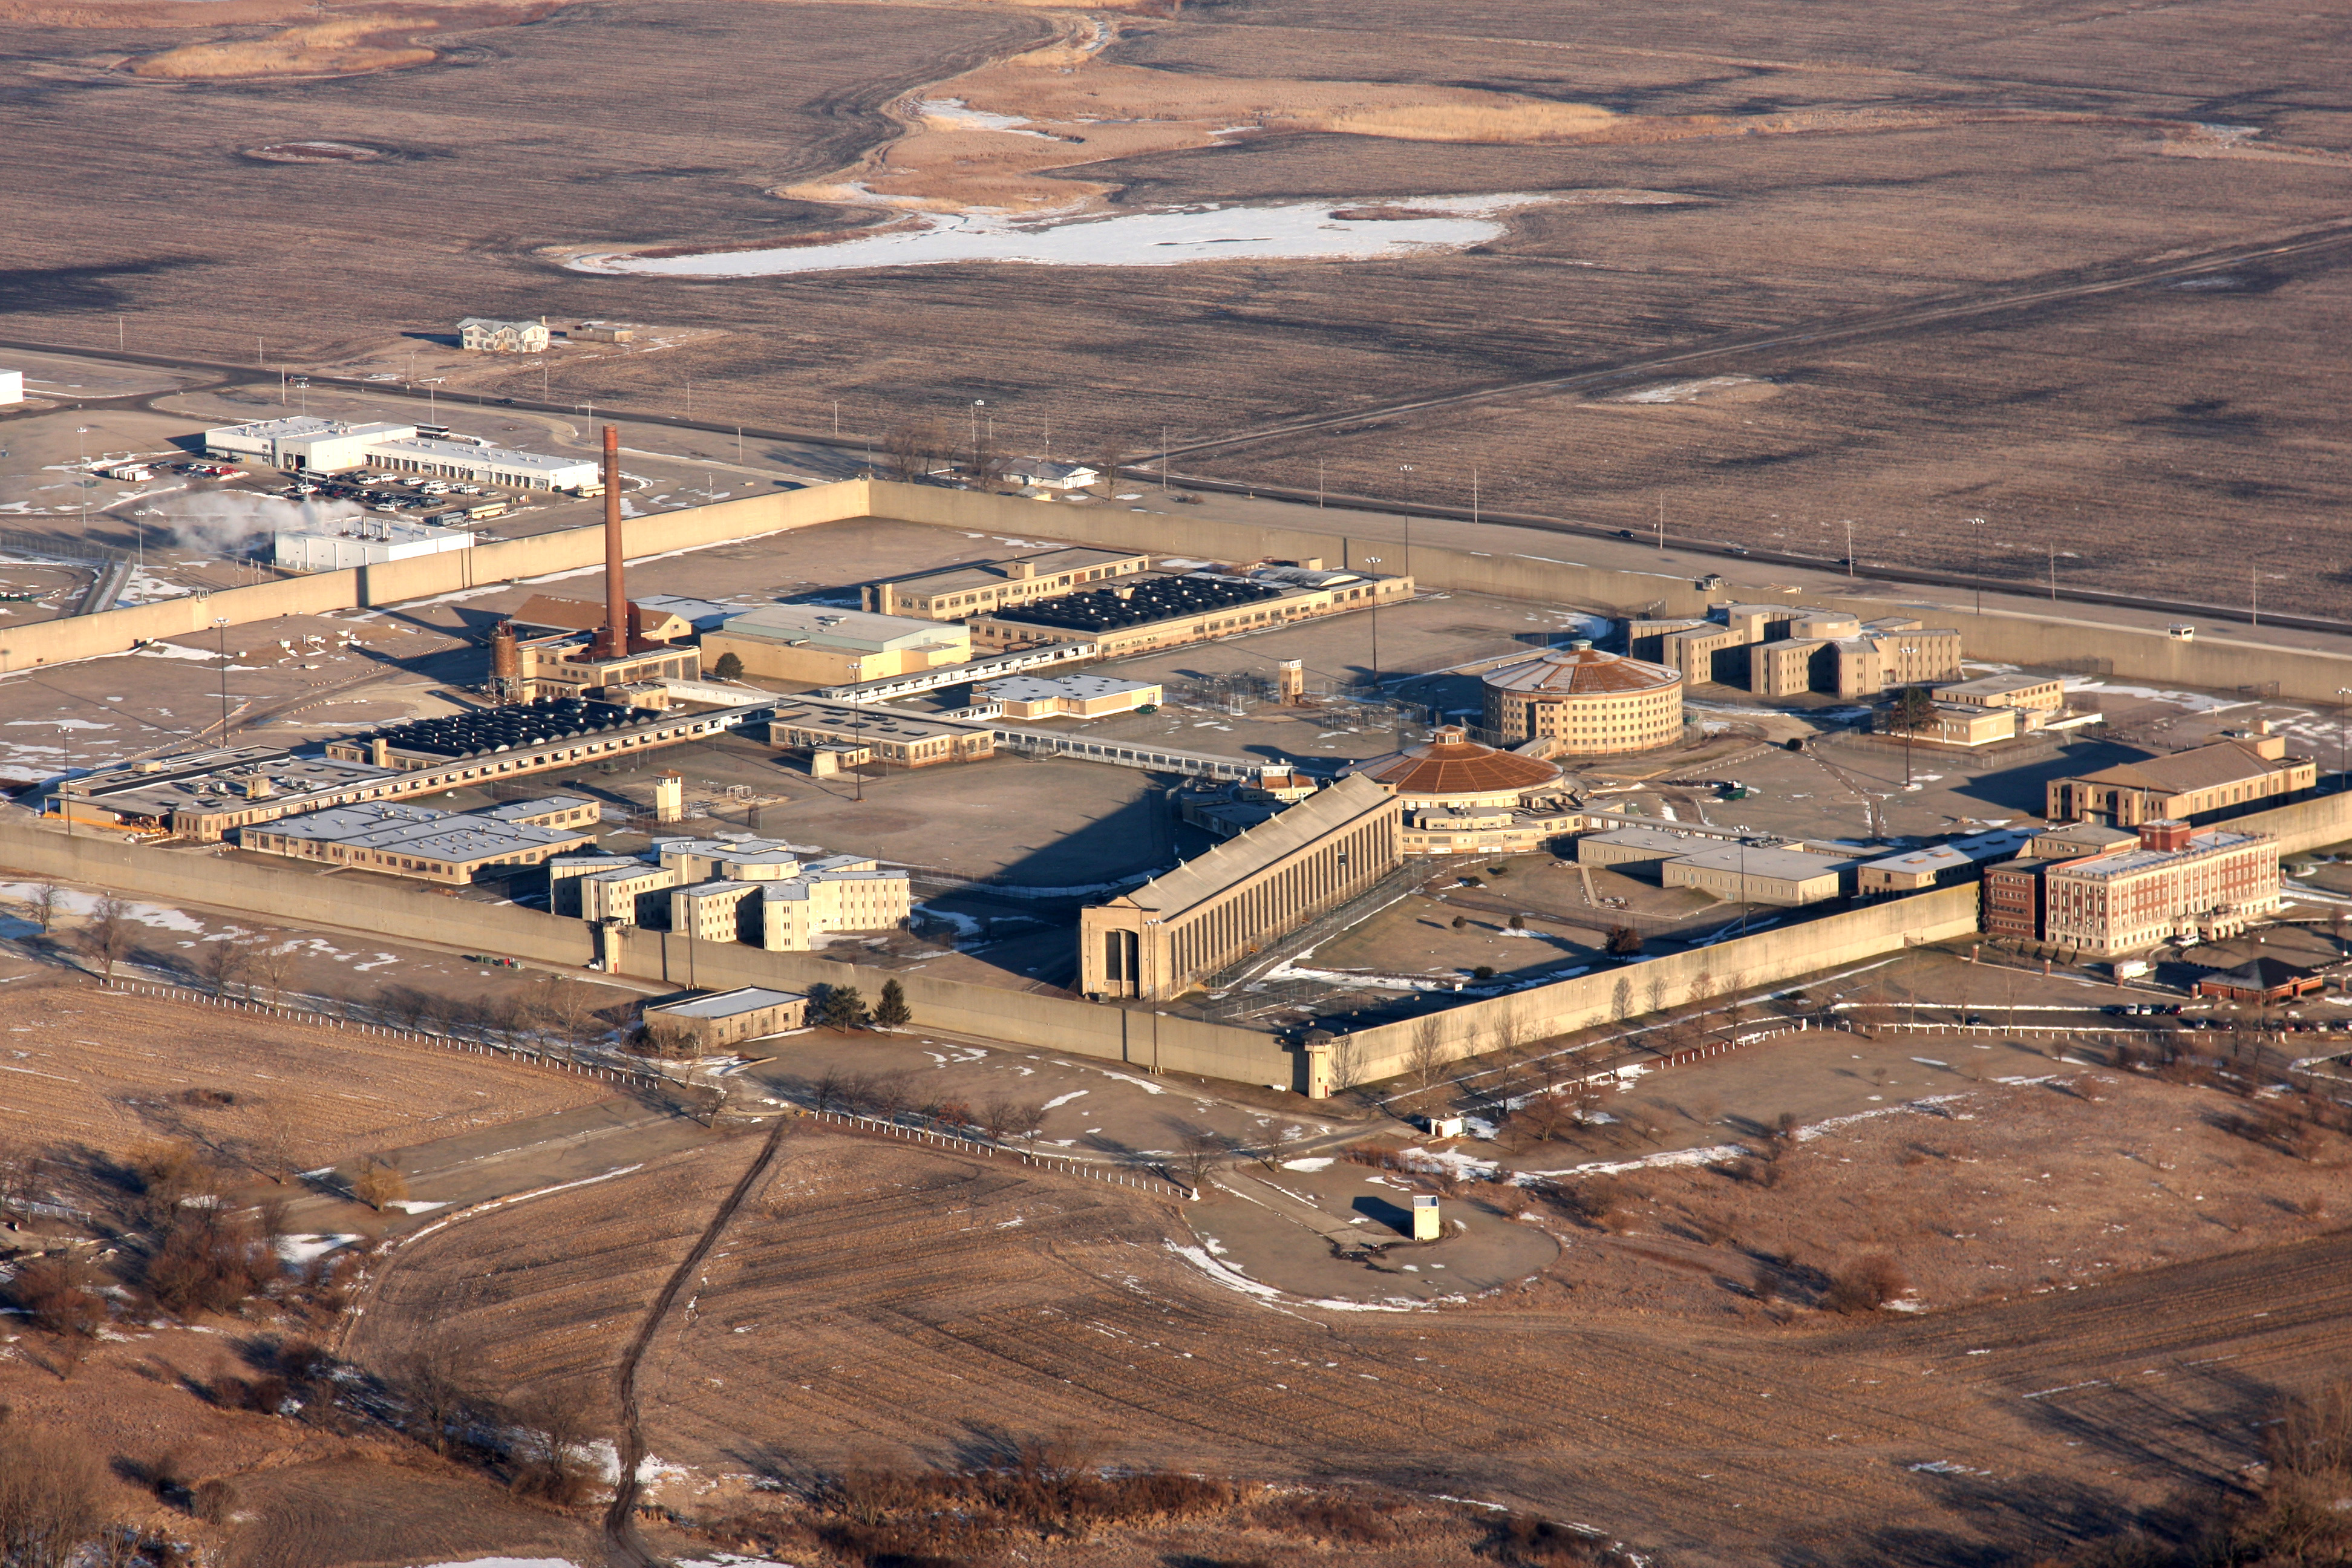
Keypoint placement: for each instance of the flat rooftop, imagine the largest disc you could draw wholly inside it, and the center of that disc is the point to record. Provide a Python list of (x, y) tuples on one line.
[(729, 1003), (2104, 866), (1076, 688), (987, 573), (1794, 865), (429, 449), (215, 779), (855, 631), (450, 835)]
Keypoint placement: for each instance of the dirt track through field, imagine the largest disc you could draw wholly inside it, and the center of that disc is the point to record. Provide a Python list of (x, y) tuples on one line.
[(621, 1534)]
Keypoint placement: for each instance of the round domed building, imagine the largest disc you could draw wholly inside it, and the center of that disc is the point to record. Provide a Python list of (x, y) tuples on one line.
[(1450, 769), (1591, 703)]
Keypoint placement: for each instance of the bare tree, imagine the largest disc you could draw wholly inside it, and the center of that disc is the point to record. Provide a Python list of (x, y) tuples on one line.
[(378, 1183), (1425, 1051), (1620, 999), (1197, 1150), (42, 904), (51, 1489), (272, 966), (270, 1148), (438, 1385), (20, 1180), (1658, 988), (1106, 464), (108, 935), (556, 1426), (1346, 1063), (222, 963)]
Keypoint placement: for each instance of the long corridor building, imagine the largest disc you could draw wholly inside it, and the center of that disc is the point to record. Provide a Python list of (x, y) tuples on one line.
[(1159, 940)]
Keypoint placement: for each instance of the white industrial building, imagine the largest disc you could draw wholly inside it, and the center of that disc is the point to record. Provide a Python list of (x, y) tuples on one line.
[(483, 464), (12, 387), (341, 544), (306, 444)]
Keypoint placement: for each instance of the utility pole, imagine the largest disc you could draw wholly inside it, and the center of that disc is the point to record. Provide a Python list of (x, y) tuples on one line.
[(1661, 528), (120, 343), (1474, 498), (2053, 571), (1849, 549), (2341, 782), (220, 631), (1318, 482), (1164, 459), (2255, 586), (836, 418), (81, 476)]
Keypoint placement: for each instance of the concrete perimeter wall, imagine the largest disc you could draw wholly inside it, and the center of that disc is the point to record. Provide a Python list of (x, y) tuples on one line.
[(2313, 824), (302, 897), (395, 582), (2219, 660), (1724, 969)]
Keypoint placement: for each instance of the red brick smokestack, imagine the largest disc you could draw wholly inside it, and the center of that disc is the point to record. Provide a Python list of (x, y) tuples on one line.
[(614, 643)]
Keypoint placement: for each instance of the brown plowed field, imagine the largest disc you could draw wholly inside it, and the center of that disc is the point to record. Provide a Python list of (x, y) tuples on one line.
[(108, 1071), (881, 1302)]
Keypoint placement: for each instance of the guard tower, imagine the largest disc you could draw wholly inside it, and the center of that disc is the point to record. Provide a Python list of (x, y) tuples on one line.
[(1427, 1224), (1290, 682)]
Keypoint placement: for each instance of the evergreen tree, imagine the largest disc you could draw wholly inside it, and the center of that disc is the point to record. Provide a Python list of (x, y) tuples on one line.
[(840, 1008), (892, 1011)]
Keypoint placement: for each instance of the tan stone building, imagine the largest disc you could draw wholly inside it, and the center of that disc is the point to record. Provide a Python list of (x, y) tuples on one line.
[(840, 734), (449, 846), (1786, 650), (1161, 940), (821, 646), (1591, 703), (2188, 783), (959, 592), (1066, 696)]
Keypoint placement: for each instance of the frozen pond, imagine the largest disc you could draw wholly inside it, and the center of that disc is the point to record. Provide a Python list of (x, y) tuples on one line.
[(1414, 226)]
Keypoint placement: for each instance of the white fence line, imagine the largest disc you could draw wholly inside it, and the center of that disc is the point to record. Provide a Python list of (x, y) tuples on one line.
[(1042, 1162), (412, 1037)]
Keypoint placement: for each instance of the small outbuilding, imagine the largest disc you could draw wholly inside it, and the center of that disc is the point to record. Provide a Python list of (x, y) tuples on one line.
[(701, 1026), (2261, 981)]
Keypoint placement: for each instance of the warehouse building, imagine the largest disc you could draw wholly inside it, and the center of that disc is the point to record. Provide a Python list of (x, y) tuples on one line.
[(1161, 940), (361, 541), (1637, 847), (1155, 612), (2226, 774), (825, 647), (449, 846), (1748, 873), (449, 458), (957, 592), (1589, 703), (304, 445)]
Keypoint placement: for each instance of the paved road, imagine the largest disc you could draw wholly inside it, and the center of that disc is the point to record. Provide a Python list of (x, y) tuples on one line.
[(1985, 303)]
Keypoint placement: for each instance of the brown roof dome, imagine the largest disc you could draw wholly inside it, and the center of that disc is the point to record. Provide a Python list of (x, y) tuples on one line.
[(1451, 767), (1581, 669)]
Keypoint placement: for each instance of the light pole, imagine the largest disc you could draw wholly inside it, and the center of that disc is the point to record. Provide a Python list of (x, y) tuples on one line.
[(1849, 549), (1374, 561), (2341, 693), (977, 405), (220, 631), (81, 475), (432, 398)]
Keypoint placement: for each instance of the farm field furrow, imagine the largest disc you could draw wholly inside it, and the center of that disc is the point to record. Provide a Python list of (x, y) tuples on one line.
[(884, 1304)]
